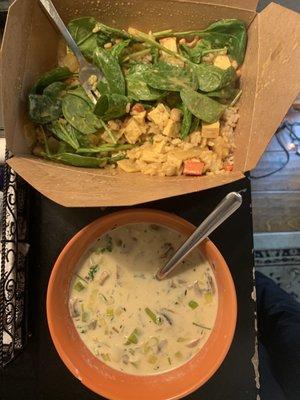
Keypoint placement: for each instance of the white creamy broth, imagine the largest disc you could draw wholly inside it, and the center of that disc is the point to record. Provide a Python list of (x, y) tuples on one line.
[(129, 319)]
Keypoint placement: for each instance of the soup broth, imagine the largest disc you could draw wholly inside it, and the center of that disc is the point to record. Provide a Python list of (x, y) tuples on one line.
[(130, 320)]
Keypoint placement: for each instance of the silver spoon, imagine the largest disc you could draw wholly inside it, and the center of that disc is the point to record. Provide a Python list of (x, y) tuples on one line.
[(86, 70), (224, 209)]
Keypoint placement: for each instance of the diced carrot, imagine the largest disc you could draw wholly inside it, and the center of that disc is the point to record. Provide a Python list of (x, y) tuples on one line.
[(193, 167), (228, 167)]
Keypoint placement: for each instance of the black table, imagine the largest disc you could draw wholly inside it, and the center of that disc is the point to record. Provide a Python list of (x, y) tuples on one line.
[(38, 373)]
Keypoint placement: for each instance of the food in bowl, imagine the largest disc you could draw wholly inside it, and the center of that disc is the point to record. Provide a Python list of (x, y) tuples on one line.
[(167, 102), (91, 370), (130, 320)]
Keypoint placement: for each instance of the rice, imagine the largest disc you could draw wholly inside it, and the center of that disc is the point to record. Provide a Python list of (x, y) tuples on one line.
[(160, 151)]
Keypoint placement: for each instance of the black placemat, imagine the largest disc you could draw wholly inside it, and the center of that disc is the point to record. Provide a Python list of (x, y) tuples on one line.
[(38, 373)]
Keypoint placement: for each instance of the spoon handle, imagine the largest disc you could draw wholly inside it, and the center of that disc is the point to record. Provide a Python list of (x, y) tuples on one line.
[(224, 209)]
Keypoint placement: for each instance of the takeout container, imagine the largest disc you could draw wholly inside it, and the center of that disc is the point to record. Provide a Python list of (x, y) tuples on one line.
[(107, 381), (270, 82)]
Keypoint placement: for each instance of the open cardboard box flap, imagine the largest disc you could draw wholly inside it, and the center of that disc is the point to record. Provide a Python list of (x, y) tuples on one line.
[(270, 82)]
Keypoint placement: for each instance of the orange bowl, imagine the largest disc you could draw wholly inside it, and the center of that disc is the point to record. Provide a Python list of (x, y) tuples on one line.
[(107, 381)]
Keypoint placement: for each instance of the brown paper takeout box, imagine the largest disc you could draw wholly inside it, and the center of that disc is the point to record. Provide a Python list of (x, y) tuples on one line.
[(270, 82)]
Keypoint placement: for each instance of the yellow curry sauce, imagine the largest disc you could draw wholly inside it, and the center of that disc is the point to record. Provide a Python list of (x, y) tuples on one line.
[(130, 320)]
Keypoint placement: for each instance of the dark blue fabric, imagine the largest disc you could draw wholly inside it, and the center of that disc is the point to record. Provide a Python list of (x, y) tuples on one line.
[(279, 332)]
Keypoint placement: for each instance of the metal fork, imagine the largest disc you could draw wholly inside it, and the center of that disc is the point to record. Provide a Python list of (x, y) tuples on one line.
[(86, 70)]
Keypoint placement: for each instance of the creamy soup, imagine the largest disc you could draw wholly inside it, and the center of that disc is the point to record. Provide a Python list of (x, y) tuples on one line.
[(130, 320)]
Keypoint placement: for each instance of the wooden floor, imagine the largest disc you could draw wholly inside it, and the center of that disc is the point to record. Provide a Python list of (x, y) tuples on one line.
[(276, 199)]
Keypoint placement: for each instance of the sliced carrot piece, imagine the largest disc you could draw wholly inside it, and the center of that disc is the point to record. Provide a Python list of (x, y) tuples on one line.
[(193, 167), (228, 167)]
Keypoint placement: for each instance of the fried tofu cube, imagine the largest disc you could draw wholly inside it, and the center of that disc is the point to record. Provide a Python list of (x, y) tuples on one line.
[(210, 131), (133, 130), (172, 129), (170, 44), (128, 165), (160, 116), (222, 61)]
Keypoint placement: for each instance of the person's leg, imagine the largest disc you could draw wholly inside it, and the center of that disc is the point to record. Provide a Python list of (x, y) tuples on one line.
[(279, 331)]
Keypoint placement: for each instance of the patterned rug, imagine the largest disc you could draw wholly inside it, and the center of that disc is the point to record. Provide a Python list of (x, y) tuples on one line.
[(282, 265)]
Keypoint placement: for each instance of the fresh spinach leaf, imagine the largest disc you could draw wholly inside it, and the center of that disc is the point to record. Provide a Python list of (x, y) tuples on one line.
[(55, 75), (104, 148), (203, 107), (164, 76), (195, 53), (230, 33), (79, 113), (186, 122), (110, 106), (211, 78), (65, 132), (55, 90), (137, 88), (195, 124), (76, 160), (226, 93), (111, 70), (113, 32), (82, 31), (81, 93), (102, 86), (42, 109), (155, 55), (117, 50)]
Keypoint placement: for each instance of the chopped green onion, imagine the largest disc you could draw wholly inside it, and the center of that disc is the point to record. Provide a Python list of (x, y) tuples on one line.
[(133, 337), (152, 359), (110, 312), (108, 131), (156, 319), (103, 297), (92, 272), (193, 304), (80, 277), (79, 286), (178, 354), (105, 356), (201, 326), (84, 314), (169, 359)]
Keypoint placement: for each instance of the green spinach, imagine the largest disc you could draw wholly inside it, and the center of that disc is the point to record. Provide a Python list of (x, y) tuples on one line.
[(55, 90), (113, 32), (42, 109), (82, 31), (111, 70), (230, 33), (226, 93), (104, 148), (203, 107), (137, 88), (196, 53), (79, 113), (65, 132), (164, 76), (118, 49), (211, 78), (77, 160), (55, 75), (110, 106), (186, 122)]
